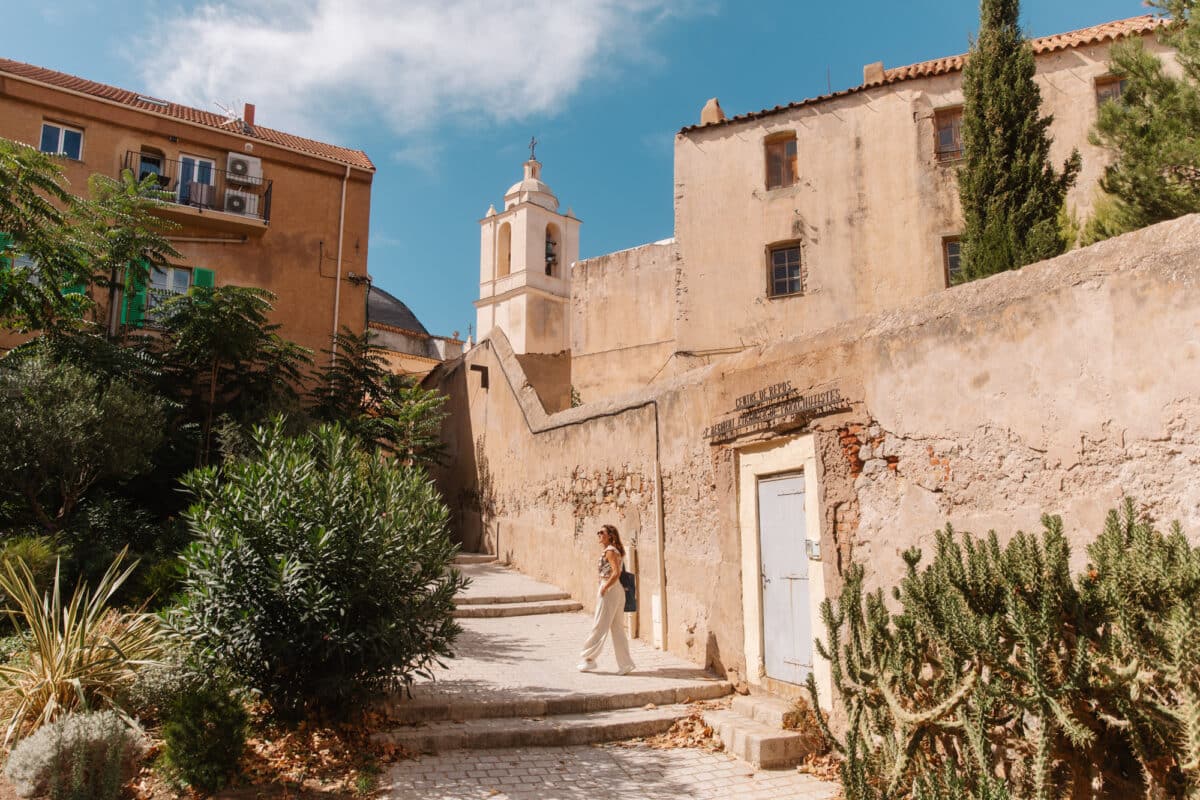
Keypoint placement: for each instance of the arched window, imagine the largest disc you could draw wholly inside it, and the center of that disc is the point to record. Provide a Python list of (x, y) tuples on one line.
[(152, 161), (552, 250), (504, 251)]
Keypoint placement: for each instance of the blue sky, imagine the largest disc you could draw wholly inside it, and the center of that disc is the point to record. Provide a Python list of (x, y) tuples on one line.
[(445, 94)]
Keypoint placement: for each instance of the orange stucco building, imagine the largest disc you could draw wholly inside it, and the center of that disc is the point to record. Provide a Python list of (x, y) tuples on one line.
[(254, 206)]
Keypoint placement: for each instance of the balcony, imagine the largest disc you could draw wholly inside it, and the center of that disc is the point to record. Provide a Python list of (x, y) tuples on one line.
[(197, 188)]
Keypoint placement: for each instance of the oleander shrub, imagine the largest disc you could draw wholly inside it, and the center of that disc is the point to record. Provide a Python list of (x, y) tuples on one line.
[(87, 756), (320, 571), (204, 734), (1000, 674), (75, 653)]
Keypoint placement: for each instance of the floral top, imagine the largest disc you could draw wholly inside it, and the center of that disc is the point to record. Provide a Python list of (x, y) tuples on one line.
[(605, 568)]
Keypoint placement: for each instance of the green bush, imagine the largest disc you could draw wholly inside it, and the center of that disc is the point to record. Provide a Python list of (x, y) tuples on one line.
[(204, 734), (1003, 676), (320, 571), (104, 525), (39, 553), (79, 757), (63, 430)]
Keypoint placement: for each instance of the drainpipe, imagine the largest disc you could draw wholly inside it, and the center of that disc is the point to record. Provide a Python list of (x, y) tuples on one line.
[(337, 291), (660, 528)]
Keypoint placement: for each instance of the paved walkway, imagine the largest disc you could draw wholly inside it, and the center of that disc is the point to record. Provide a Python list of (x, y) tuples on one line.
[(599, 772), (533, 659), (514, 667)]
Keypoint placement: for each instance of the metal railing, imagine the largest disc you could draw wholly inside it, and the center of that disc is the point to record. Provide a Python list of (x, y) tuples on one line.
[(198, 183)]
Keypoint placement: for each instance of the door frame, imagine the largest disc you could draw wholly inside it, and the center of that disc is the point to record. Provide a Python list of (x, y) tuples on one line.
[(763, 460)]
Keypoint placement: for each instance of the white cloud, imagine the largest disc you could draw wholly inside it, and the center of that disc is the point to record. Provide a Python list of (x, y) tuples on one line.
[(313, 66)]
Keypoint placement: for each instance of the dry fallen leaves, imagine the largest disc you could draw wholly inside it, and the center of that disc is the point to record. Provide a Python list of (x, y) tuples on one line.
[(823, 766), (691, 731), (311, 760)]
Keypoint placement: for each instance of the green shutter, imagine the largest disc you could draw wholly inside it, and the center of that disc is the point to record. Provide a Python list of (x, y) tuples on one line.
[(5, 263), (133, 308), (204, 278), (75, 288)]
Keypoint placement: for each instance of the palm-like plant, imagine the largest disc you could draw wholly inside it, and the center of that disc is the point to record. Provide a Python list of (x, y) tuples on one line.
[(79, 655), (222, 355)]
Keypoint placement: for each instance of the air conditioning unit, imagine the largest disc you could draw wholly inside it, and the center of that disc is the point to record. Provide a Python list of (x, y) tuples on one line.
[(243, 169), (241, 203)]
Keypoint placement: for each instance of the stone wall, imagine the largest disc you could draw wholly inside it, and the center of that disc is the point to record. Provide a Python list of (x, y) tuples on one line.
[(871, 207), (622, 319), (1056, 388)]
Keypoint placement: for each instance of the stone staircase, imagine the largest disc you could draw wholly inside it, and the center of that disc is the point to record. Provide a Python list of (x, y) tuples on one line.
[(510, 604), (514, 682), (761, 730)]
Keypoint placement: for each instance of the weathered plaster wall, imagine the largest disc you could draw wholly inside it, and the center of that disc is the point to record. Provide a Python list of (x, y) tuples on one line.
[(550, 377), (1056, 388), (622, 318), (871, 207)]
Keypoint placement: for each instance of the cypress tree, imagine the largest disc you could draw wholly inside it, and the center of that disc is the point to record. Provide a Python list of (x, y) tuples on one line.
[(1011, 195), (1154, 130)]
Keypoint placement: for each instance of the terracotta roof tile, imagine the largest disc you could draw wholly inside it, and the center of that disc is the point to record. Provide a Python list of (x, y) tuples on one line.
[(1096, 34), (142, 102)]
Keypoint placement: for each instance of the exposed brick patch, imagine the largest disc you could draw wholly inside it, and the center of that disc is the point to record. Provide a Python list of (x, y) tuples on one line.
[(851, 447)]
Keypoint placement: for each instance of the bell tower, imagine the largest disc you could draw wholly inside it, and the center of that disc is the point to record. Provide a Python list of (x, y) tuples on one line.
[(525, 257)]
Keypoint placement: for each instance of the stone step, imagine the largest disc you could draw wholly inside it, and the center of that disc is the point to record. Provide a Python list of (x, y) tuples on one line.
[(404, 711), (467, 600), (566, 729), (770, 711), (763, 746), (474, 558), (518, 609)]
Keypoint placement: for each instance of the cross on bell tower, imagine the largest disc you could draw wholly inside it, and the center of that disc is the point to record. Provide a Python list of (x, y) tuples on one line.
[(525, 257)]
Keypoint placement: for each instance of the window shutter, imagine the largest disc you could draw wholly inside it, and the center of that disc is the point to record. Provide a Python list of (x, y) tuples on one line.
[(204, 278), (75, 288), (133, 309), (5, 263)]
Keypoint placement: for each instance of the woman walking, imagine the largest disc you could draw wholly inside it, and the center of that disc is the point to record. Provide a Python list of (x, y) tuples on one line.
[(610, 603)]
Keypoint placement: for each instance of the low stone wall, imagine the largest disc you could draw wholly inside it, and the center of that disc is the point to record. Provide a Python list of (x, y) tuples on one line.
[(1056, 388)]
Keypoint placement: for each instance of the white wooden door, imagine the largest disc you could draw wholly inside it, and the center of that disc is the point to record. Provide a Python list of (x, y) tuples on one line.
[(787, 627)]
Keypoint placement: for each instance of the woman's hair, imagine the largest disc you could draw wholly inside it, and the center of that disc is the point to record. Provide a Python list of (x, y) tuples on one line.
[(614, 538)]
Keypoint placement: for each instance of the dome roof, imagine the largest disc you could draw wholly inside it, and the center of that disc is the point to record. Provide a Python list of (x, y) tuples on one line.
[(388, 309), (531, 189)]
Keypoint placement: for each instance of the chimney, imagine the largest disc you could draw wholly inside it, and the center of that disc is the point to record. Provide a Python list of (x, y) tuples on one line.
[(712, 113), (248, 115), (873, 74)]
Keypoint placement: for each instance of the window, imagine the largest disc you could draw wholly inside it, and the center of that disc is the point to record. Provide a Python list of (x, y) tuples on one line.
[(952, 259), (165, 284), (781, 162), (504, 254), (151, 162), (60, 140), (786, 270), (948, 134), (552, 250), (196, 180), (1109, 88)]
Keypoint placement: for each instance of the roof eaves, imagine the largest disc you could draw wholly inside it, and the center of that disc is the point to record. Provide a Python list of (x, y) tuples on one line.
[(145, 103), (1097, 34)]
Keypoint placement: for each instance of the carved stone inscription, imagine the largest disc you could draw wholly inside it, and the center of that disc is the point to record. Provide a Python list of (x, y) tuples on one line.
[(771, 406)]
